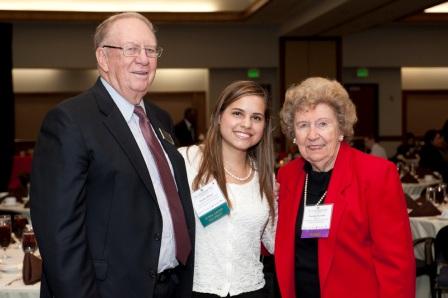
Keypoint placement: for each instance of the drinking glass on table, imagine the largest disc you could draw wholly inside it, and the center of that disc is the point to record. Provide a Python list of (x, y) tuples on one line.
[(29, 243), (5, 234), (440, 192), (20, 221), (431, 194)]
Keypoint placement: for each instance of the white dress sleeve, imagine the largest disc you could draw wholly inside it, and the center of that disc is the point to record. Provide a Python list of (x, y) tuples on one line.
[(192, 156), (268, 236)]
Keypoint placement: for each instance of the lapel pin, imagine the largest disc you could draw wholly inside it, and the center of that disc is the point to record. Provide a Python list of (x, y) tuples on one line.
[(166, 136)]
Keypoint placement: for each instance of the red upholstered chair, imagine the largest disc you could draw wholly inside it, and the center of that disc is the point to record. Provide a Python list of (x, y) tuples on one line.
[(21, 170)]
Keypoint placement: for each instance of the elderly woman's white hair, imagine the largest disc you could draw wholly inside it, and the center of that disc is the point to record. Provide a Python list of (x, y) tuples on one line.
[(312, 92)]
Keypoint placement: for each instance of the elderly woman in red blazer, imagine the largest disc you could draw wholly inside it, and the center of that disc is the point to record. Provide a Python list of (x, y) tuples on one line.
[(343, 228)]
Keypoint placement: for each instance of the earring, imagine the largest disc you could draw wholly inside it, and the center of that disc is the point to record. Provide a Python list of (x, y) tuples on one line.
[(341, 138), (294, 140)]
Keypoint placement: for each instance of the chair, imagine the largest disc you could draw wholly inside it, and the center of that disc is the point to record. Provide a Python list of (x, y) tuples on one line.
[(427, 266), (441, 257), (20, 176)]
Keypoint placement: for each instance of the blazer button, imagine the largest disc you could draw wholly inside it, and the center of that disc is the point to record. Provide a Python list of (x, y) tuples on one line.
[(157, 236), (153, 274)]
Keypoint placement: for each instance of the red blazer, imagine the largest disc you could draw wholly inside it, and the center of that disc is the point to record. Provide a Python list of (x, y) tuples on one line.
[(368, 252)]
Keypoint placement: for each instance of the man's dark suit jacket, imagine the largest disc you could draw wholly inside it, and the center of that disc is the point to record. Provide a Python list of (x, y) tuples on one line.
[(183, 134), (93, 205)]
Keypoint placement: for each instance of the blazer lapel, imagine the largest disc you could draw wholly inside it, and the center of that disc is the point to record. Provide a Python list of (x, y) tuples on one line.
[(295, 189), (340, 179), (291, 189), (118, 127)]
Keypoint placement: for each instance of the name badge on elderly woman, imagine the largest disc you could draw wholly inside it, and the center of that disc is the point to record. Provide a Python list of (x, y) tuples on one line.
[(316, 221), (209, 203)]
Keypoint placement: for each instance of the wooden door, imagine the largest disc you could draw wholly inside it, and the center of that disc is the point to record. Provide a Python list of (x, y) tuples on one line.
[(175, 103), (424, 110), (365, 98), (31, 108)]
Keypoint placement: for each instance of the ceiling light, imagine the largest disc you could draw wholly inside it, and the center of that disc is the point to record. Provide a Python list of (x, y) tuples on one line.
[(135, 5), (441, 8)]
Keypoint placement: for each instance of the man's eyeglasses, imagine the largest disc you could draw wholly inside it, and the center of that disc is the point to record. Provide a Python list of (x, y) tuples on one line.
[(131, 50)]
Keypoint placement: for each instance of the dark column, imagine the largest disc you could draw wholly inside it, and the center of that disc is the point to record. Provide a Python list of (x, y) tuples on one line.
[(7, 130)]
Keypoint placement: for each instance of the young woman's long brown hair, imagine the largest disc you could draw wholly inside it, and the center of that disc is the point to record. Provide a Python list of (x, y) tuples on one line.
[(261, 154)]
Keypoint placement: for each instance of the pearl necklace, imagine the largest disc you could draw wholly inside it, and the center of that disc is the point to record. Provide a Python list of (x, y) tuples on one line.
[(305, 193), (239, 178)]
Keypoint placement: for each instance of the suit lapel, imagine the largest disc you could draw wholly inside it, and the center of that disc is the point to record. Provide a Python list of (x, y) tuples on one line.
[(118, 127), (173, 155), (178, 164), (340, 179), (169, 148)]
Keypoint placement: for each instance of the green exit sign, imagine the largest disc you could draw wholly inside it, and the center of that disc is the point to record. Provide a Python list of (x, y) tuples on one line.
[(362, 72), (253, 73)]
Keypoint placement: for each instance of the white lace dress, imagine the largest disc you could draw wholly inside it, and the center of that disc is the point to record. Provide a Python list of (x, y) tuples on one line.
[(227, 252)]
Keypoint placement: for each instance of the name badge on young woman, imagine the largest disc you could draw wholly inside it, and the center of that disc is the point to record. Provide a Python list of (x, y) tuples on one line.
[(209, 203), (316, 221)]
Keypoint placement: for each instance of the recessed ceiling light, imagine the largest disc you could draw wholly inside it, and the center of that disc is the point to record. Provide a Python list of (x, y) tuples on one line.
[(134, 5), (441, 8)]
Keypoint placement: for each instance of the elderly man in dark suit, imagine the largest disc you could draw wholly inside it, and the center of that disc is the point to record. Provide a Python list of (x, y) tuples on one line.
[(110, 201)]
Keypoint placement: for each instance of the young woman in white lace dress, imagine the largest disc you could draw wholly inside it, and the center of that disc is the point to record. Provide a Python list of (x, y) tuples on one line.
[(237, 155)]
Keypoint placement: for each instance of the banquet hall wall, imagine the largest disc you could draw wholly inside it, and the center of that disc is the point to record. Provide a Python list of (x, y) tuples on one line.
[(227, 51)]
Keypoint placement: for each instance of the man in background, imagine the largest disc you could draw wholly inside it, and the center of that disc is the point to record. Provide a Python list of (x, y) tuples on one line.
[(374, 148), (185, 130), (110, 201), (431, 154)]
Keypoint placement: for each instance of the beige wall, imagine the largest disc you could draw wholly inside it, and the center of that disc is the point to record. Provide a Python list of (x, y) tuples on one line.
[(426, 111), (45, 45), (384, 50), (28, 80), (30, 110), (397, 46), (38, 90), (185, 46), (220, 46), (228, 50), (389, 94), (431, 78), (389, 101)]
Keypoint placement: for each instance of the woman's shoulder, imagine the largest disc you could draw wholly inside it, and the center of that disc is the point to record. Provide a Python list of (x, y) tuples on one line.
[(191, 154), (297, 162), (290, 167), (369, 163)]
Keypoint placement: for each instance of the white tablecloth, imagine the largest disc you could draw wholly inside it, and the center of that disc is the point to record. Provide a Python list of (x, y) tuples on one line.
[(18, 208), (414, 190), (426, 227), (16, 289)]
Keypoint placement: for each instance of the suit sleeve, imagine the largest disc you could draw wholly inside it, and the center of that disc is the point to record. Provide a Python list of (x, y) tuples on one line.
[(58, 207), (393, 254)]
